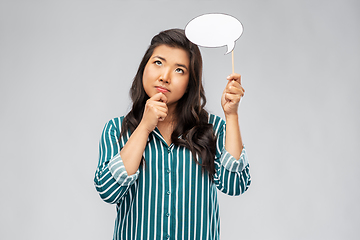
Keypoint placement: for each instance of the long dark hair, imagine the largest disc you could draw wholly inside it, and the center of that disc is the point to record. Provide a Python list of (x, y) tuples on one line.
[(192, 118)]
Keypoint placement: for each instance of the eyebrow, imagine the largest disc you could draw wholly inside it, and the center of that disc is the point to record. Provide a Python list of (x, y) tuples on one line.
[(177, 64)]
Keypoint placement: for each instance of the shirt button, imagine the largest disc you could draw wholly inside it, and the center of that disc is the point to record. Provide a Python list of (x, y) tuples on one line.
[(168, 214), (168, 192), (169, 171), (167, 236)]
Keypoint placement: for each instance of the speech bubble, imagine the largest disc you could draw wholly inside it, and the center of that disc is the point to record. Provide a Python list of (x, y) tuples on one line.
[(214, 30)]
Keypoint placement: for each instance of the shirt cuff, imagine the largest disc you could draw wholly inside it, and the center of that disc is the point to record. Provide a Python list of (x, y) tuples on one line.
[(119, 173), (231, 163)]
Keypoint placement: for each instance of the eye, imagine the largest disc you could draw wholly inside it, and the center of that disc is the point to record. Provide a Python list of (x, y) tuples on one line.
[(157, 62), (179, 70)]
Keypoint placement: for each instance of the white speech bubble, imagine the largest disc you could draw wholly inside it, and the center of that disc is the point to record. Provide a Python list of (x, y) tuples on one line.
[(214, 30)]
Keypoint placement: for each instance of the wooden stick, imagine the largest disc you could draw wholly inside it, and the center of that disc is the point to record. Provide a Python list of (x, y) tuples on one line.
[(232, 58)]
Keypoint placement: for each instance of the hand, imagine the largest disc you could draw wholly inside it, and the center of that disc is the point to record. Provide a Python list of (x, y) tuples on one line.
[(232, 94), (155, 110)]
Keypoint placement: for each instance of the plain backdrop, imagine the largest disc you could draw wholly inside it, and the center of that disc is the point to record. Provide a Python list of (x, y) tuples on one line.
[(66, 68)]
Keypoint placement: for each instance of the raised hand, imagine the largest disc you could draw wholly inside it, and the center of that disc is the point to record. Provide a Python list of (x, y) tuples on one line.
[(232, 94)]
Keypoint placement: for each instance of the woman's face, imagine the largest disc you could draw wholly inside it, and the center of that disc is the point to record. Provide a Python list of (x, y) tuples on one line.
[(167, 71)]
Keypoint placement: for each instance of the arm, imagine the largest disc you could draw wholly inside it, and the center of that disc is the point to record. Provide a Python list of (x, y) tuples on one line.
[(134, 149), (232, 175), (230, 102), (111, 179), (233, 141), (132, 152), (119, 162), (232, 168)]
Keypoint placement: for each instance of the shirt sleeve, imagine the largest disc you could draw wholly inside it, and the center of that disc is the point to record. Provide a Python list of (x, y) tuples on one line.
[(111, 179), (232, 176)]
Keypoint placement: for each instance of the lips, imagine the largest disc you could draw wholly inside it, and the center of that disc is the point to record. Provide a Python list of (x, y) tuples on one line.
[(162, 89)]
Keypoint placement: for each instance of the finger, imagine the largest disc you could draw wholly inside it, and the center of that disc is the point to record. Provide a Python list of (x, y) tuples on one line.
[(164, 98), (234, 90), (233, 84), (152, 104), (157, 107), (162, 116), (236, 84), (234, 77), (160, 105), (160, 97), (162, 109), (232, 97)]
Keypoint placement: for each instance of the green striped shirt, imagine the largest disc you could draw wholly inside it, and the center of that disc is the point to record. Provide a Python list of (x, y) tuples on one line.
[(169, 197)]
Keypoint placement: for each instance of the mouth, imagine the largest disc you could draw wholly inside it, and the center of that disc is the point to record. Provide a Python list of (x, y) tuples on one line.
[(161, 89)]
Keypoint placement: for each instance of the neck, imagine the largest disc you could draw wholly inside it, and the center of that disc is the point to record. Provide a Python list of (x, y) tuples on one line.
[(170, 119), (171, 113)]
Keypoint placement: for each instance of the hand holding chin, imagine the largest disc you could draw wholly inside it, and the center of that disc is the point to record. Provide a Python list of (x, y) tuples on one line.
[(155, 110)]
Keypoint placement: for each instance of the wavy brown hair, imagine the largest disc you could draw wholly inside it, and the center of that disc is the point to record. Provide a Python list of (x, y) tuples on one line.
[(192, 118)]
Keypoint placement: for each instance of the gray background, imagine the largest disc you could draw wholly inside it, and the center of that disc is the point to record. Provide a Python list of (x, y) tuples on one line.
[(66, 68)]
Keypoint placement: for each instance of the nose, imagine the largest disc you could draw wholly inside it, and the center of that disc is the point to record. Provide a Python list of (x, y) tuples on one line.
[(165, 76)]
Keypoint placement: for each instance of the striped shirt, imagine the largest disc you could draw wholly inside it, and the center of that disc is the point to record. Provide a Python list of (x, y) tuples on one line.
[(169, 197)]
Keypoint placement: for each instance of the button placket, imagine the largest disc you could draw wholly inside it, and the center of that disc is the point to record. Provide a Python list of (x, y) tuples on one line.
[(168, 170), (167, 192)]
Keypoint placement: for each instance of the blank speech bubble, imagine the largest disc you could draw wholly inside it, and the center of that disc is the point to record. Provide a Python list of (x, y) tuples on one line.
[(214, 30)]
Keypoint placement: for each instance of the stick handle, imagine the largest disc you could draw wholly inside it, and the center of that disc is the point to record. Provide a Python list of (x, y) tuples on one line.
[(232, 58)]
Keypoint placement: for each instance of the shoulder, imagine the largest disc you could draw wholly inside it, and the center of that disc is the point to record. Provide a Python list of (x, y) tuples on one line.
[(115, 122), (217, 122)]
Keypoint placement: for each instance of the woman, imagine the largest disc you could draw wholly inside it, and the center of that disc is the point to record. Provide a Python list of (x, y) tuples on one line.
[(162, 162)]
